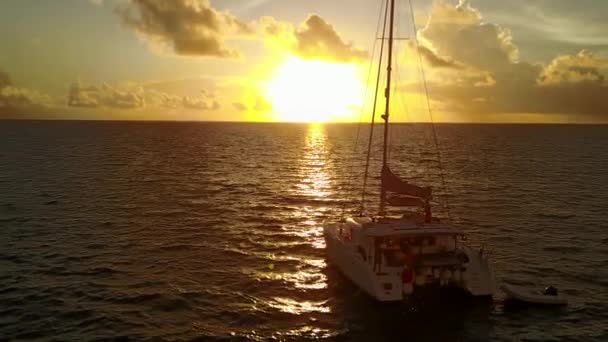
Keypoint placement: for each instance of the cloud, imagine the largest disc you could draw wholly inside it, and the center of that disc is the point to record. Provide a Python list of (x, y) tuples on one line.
[(460, 33), (432, 58), (205, 101), (189, 27), (14, 99), (5, 79), (317, 38), (239, 106), (165, 100), (491, 78), (195, 28), (582, 67), (105, 96), (314, 39), (257, 103), (135, 97)]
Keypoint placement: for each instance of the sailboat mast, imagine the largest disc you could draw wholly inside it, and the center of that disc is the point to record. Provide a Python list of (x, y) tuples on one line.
[(387, 95)]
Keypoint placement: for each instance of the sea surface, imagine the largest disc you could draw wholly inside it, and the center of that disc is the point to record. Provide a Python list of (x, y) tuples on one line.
[(213, 231)]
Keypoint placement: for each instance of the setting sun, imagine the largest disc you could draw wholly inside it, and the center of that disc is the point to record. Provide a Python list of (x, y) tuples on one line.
[(314, 91)]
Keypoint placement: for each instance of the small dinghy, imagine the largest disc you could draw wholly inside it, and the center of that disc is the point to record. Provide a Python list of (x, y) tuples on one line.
[(549, 296)]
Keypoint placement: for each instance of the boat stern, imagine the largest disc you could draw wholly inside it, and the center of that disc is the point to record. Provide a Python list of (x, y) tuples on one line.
[(479, 277)]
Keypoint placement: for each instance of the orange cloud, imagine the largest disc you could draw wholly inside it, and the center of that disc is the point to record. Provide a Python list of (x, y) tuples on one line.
[(314, 39), (582, 67)]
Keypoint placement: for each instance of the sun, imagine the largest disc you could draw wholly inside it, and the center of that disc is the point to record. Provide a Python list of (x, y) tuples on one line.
[(314, 91)]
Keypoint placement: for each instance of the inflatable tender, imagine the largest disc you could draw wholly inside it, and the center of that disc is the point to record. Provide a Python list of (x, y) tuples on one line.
[(549, 296)]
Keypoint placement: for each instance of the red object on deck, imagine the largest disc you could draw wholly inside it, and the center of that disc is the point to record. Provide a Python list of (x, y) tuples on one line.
[(407, 275)]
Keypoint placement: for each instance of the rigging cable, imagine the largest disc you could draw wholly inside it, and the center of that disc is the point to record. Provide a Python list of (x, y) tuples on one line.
[(369, 73), (428, 103), (371, 129)]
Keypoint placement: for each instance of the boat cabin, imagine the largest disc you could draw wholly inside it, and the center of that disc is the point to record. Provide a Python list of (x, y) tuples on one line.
[(427, 253)]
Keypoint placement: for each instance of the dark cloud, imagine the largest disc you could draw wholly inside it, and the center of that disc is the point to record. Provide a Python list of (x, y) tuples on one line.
[(317, 38), (13, 99), (435, 60), (5, 79), (105, 96), (189, 27), (195, 28), (583, 101), (570, 84), (83, 96)]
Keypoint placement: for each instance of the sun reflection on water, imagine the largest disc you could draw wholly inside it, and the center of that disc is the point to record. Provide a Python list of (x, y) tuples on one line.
[(298, 307), (289, 261), (314, 165), (315, 185)]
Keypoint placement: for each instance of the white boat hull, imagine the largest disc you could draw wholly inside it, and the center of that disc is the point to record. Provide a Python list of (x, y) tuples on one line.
[(479, 277), (385, 283), (351, 264)]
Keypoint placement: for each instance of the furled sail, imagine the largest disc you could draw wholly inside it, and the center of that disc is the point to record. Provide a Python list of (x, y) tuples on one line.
[(392, 183)]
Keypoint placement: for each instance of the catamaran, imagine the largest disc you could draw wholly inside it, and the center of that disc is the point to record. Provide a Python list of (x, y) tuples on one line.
[(392, 257)]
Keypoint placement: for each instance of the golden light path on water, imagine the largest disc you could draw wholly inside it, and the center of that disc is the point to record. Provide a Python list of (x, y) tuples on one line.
[(314, 167), (315, 174), (315, 186)]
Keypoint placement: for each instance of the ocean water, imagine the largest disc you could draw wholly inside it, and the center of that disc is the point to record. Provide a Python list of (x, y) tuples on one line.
[(212, 231)]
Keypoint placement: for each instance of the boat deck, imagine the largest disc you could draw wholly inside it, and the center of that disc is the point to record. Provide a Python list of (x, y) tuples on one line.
[(404, 227)]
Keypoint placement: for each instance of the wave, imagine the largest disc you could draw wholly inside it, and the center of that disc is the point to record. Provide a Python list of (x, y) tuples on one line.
[(92, 272), (12, 258), (563, 249), (159, 301), (564, 215), (220, 239)]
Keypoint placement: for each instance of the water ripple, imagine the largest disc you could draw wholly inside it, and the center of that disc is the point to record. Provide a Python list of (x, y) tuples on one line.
[(171, 231)]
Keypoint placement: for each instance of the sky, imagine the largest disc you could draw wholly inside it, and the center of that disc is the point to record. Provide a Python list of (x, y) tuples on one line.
[(287, 60)]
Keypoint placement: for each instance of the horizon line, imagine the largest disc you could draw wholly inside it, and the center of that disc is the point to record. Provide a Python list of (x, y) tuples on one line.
[(311, 123)]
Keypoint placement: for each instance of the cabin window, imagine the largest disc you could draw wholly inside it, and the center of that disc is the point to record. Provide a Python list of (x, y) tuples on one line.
[(422, 241), (394, 258)]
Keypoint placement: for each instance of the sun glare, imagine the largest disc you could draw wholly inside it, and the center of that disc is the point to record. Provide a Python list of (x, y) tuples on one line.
[(315, 91)]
